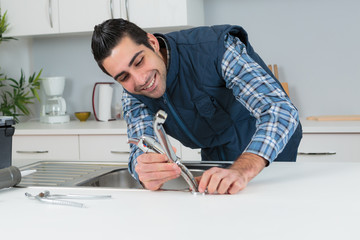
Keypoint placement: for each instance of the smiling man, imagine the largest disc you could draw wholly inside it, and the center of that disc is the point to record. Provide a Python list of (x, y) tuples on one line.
[(218, 94)]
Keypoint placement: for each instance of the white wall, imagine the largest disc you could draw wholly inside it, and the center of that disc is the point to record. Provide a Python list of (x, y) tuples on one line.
[(16, 55), (71, 56), (316, 44)]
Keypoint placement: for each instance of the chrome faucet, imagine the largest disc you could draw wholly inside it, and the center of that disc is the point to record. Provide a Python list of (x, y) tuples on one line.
[(144, 143)]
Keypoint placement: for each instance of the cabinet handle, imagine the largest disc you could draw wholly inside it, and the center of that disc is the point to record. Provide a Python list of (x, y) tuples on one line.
[(316, 153), (127, 9), (50, 14), (111, 8), (45, 151), (120, 152)]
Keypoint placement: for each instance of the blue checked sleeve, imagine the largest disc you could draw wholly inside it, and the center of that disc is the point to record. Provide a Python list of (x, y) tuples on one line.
[(139, 122), (276, 117)]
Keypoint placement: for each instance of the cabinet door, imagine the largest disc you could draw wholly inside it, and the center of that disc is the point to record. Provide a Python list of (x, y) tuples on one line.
[(104, 148), (329, 147), (31, 17), (110, 148), (28, 149), (83, 15), (165, 13), (189, 154)]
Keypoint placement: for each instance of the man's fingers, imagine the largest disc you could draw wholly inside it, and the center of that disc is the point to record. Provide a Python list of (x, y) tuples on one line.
[(222, 181), (152, 158), (216, 180), (225, 184), (156, 184), (154, 170), (156, 167), (163, 175), (236, 187), (198, 179), (205, 179)]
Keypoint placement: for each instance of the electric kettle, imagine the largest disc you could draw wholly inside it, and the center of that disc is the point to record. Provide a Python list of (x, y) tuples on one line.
[(104, 101)]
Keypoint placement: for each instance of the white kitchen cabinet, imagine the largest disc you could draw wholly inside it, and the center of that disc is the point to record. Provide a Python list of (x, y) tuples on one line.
[(329, 147), (83, 15), (107, 141), (165, 14), (104, 148), (41, 17), (336, 141), (31, 17), (189, 154), (330, 141), (73, 141), (110, 148), (27, 149)]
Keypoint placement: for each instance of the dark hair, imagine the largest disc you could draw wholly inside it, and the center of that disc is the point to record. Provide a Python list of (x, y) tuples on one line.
[(108, 34)]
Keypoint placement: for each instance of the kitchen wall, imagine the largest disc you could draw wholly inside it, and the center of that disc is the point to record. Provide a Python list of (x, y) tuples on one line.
[(71, 56), (314, 43)]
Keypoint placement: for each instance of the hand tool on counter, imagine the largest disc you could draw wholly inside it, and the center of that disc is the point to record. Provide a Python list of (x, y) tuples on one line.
[(46, 197)]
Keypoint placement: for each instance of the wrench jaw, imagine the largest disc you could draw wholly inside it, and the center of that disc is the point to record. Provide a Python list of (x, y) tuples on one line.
[(160, 117)]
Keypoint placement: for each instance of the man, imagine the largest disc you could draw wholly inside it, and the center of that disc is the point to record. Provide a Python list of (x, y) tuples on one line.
[(218, 94)]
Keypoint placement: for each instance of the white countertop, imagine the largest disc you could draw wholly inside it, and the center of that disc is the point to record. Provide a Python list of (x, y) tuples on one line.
[(119, 127), (71, 128), (286, 201), (311, 126)]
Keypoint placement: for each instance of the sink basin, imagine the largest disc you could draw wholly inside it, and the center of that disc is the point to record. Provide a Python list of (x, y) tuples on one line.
[(121, 178), (95, 174)]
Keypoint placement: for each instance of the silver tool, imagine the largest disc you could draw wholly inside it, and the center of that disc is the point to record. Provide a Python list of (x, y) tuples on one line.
[(148, 143), (160, 118), (46, 197)]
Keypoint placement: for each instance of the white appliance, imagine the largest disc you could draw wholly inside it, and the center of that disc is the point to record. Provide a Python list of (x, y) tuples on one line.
[(53, 108), (104, 101)]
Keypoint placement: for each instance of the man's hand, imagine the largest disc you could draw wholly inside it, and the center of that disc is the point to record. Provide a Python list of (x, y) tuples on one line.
[(234, 179), (154, 170)]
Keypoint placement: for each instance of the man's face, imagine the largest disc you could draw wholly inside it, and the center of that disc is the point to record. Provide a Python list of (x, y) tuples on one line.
[(137, 68)]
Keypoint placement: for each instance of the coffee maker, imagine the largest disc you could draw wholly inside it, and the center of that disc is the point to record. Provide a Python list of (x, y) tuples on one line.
[(53, 108)]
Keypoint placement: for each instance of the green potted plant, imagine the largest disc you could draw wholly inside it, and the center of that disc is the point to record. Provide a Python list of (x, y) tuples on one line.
[(16, 95)]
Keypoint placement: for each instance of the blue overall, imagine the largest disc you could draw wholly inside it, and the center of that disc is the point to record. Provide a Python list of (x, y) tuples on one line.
[(202, 112)]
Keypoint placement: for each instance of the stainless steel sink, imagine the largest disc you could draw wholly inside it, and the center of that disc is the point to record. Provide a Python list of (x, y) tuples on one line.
[(121, 178), (65, 174), (100, 174)]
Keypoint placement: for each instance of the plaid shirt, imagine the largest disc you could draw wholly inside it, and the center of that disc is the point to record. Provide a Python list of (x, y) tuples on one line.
[(252, 86)]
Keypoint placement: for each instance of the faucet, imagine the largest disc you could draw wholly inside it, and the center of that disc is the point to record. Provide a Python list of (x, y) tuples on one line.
[(165, 148)]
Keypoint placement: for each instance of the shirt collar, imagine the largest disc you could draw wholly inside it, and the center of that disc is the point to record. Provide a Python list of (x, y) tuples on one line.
[(163, 44)]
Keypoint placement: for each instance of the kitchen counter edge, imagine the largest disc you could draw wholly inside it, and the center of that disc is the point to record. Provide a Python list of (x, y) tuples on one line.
[(93, 127)]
